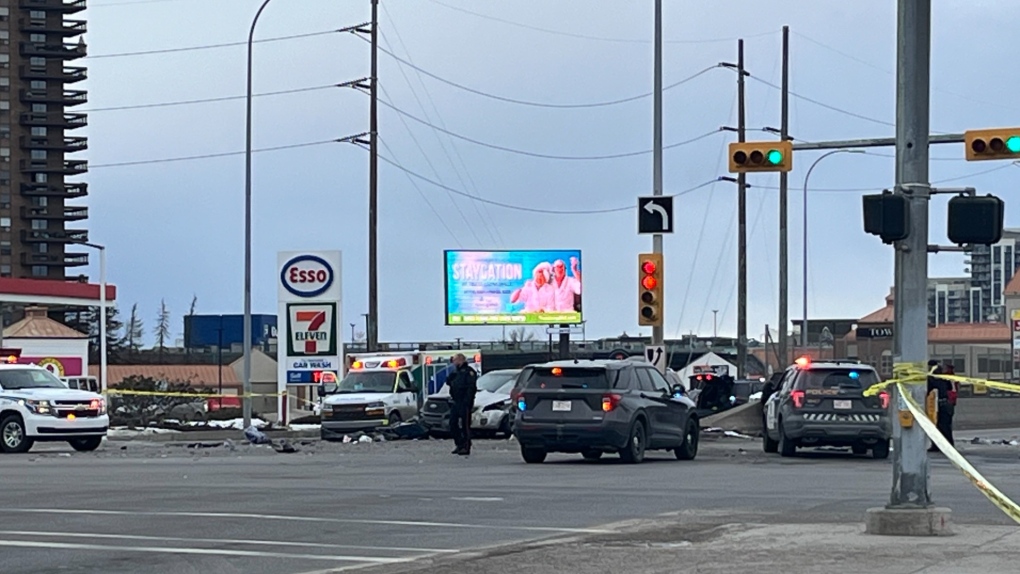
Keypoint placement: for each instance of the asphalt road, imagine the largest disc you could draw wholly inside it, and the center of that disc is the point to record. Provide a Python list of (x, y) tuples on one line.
[(166, 509)]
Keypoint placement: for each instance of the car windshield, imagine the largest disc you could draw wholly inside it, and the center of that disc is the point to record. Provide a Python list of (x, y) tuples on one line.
[(367, 382), (11, 379), (568, 378), (838, 379), (496, 380)]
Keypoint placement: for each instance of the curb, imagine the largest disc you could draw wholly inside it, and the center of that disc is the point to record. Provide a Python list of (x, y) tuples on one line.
[(210, 435)]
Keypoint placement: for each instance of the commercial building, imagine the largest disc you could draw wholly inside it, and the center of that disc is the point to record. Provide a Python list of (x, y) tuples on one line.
[(954, 300), (39, 177)]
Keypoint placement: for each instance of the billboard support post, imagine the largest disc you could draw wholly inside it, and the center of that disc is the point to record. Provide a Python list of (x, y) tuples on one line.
[(564, 341)]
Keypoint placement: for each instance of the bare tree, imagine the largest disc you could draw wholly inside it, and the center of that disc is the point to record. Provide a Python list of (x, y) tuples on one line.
[(520, 335), (162, 330), (194, 303), (359, 337), (134, 331)]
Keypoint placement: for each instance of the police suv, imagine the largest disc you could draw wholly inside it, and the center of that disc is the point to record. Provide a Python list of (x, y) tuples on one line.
[(823, 404), (36, 406)]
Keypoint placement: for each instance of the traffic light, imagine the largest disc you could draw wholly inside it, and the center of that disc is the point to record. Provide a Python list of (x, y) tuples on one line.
[(975, 219), (761, 156), (887, 215), (995, 143), (650, 277)]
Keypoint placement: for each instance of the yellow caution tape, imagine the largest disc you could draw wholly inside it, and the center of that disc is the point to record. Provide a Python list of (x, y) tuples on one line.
[(993, 494), (917, 373)]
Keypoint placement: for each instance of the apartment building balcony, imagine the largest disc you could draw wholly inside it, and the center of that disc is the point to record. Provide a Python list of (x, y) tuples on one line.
[(65, 213), (66, 236), (65, 167), (65, 27), (65, 74), (64, 260), (67, 190), (66, 144), (64, 51), (67, 121), (64, 6), (65, 98)]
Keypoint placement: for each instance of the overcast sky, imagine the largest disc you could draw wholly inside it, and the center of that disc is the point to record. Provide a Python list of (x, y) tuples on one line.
[(175, 229)]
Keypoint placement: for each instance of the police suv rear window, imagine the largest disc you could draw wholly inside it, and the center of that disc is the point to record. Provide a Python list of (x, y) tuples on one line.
[(570, 378), (837, 379)]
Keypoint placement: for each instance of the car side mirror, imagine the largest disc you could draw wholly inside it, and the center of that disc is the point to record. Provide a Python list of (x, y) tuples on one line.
[(321, 390)]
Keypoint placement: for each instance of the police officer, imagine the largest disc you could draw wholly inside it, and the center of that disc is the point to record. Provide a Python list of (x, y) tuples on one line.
[(941, 387), (463, 387), (947, 407)]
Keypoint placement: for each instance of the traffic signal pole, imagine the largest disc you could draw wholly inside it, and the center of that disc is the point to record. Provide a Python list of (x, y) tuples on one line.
[(784, 244), (910, 510), (742, 226), (658, 334)]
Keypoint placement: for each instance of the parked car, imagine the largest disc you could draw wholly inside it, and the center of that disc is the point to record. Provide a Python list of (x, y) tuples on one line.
[(597, 407), (491, 413)]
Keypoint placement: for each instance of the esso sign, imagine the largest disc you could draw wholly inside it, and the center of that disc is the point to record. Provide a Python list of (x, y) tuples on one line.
[(307, 276)]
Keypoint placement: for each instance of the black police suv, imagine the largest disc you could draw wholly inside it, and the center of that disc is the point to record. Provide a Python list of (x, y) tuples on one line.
[(594, 407), (823, 404)]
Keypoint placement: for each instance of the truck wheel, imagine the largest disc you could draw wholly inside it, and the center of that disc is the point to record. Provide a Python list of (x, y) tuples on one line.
[(786, 446), (880, 450), (86, 444), (394, 419), (767, 444), (13, 438), (634, 452), (689, 448), (533, 455)]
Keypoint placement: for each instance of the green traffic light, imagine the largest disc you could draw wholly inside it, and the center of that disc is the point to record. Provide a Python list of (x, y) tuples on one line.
[(1013, 144), (775, 156)]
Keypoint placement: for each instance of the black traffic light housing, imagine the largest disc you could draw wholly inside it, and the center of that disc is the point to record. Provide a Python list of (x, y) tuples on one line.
[(887, 215), (976, 219)]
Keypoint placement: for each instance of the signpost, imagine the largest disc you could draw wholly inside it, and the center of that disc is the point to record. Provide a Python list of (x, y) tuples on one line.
[(656, 355), (309, 303)]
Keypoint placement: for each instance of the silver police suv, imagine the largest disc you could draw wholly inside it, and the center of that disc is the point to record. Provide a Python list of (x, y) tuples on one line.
[(823, 404)]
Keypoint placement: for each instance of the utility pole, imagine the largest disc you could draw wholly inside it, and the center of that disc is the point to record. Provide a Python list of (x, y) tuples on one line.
[(715, 323), (742, 226), (910, 510), (658, 333), (372, 327), (784, 247)]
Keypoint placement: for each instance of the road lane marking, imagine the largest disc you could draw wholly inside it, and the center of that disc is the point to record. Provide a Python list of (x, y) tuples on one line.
[(95, 512), (27, 533), (202, 551), (478, 498)]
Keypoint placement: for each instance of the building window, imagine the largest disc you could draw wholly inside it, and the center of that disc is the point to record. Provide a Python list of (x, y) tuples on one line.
[(39, 108), (42, 248), (5, 201), (38, 84), (38, 154), (5, 223), (37, 38), (40, 178), (37, 62), (39, 224), (40, 201), (39, 132), (40, 270), (37, 14), (5, 270), (5, 247), (5, 105)]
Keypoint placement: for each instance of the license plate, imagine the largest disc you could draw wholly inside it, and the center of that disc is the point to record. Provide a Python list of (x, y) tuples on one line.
[(561, 406), (842, 404)]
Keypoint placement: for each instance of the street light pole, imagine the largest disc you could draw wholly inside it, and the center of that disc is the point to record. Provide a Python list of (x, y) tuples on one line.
[(804, 257), (102, 314), (246, 376)]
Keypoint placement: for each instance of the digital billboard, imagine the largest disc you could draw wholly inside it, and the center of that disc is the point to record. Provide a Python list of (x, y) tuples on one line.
[(513, 287)]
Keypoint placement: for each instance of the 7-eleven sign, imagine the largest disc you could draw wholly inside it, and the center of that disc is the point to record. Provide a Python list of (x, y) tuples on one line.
[(311, 329)]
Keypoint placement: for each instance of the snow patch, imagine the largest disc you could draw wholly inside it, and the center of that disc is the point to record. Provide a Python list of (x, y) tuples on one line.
[(304, 427)]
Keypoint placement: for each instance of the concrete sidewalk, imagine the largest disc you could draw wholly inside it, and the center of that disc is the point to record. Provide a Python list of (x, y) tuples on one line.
[(677, 545)]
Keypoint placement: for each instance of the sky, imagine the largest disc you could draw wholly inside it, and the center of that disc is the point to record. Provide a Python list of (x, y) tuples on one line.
[(174, 229)]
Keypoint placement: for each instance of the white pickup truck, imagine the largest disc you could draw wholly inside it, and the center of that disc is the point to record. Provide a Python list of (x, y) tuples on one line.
[(36, 406)]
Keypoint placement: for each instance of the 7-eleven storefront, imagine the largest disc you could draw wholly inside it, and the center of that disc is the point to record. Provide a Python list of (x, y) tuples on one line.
[(37, 339)]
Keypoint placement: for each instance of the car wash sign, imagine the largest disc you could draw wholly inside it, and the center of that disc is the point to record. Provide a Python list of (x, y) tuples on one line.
[(310, 305)]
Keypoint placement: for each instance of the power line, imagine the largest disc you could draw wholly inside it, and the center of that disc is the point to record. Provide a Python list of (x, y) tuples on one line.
[(587, 37), (212, 155), (879, 187), (542, 104), (426, 198), (827, 106), (206, 100), (209, 46), (532, 209), (541, 155)]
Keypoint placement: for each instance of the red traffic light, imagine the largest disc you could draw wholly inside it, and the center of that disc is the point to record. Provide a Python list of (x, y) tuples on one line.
[(649, 283), (649, 268)]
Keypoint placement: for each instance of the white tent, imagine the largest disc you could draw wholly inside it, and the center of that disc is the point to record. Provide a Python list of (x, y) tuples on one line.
[(706, 362)]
